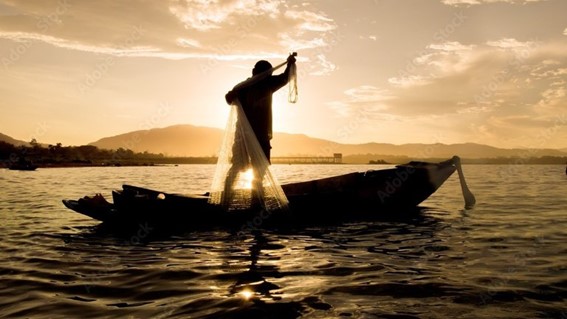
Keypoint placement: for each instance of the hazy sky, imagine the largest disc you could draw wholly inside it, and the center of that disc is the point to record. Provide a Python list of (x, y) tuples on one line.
[(393, 71)]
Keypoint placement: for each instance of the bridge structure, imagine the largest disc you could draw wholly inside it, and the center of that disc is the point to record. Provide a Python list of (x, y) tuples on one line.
[(337, 158)]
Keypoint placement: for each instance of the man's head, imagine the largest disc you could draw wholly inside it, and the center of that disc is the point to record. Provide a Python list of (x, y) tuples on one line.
[(261, 66)]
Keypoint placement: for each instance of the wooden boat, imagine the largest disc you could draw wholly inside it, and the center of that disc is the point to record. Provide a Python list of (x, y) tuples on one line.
[(354, 195)]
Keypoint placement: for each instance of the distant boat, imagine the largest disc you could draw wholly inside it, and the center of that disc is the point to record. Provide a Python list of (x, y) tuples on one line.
[(23, 166), (369, 194)]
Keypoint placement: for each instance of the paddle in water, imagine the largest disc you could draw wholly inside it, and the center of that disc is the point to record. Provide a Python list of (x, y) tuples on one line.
[(468, 196)]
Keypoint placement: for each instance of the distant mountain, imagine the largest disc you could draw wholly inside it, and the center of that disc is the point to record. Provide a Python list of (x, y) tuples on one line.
[(177, 140), (189, 140), (13, 141)]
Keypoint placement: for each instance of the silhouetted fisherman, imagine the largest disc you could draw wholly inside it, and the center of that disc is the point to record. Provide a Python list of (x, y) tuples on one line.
[(256, 101)]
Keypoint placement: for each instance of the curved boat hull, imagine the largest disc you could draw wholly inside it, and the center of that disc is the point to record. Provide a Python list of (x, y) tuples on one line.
[(354, 195)]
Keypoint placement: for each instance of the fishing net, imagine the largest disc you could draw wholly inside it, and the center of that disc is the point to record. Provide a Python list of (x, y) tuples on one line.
[(243, 179), (292, 95)]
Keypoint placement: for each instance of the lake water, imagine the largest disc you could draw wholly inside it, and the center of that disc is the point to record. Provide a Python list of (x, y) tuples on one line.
[(506, 258)]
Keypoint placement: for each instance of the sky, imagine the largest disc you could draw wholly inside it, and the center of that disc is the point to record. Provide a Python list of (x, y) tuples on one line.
[(389, 71)]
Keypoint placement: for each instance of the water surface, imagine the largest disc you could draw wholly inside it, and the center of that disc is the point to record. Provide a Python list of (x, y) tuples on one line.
[(506, 258)]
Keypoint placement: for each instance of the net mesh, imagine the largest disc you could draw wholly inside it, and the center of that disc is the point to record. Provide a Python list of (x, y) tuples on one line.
[(242, 178), (292, 94)]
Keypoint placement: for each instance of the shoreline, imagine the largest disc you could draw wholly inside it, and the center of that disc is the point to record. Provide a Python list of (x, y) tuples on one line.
[(79, 165)]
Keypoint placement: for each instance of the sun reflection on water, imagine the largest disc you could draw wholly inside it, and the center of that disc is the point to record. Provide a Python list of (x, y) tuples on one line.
[(245, 179), (246, 294)]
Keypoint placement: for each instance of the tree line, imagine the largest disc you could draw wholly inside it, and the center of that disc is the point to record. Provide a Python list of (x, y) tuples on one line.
[(89, 155), (86, 155)]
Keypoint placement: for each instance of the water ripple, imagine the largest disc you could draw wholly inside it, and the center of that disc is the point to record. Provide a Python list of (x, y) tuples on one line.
[(504, 259)]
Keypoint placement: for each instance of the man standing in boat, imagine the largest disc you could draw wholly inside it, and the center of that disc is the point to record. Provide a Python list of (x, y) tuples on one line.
[(255, 97)]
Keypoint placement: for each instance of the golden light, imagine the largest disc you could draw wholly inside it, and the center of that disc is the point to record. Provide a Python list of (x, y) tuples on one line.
[(246, 293), (245, 179)]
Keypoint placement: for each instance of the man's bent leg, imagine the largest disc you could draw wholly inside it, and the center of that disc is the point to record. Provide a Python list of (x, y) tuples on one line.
[(228, 192)]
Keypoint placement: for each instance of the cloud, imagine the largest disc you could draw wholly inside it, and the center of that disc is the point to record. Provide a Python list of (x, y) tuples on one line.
[(498, 78), (365, 98), (224, 30), (188, 43), (477, 2), (510, 43), (324, 66), (409, 81), (442, 60), (290, 41), (126, 48), (451, 46), (565, 31), (438, 61), (553, 96), (311, 21), (460, 2), (368, 37), (311, 30), (204, 15), (506, 90), (525, 130), (367, 93)]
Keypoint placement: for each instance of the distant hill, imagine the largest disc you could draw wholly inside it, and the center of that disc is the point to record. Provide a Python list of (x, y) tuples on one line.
[(177, 140), (13, 141), (189, 140)]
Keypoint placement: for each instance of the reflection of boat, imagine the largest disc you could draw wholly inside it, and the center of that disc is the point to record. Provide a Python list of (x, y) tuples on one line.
[(361, 194)]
